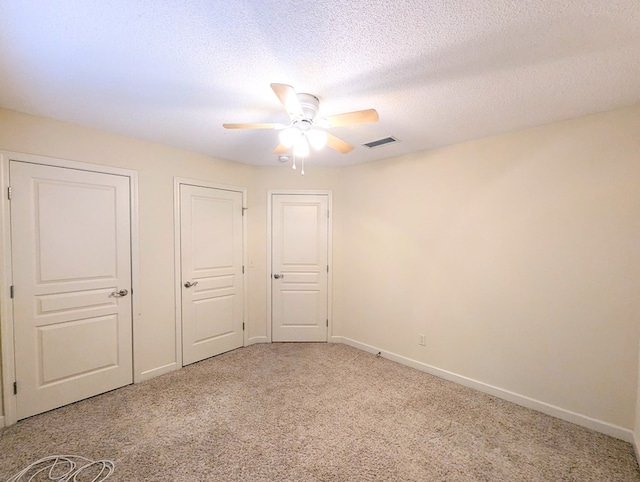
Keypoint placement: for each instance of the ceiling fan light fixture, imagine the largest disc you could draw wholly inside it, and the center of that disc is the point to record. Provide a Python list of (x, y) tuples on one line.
[(301, 147), (317, 138), (289, 136), (302, 133)]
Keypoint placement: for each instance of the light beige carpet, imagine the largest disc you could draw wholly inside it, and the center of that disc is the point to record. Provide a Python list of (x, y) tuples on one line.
[(314, 412)]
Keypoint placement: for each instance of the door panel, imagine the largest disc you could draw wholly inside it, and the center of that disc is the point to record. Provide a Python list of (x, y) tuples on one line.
[(211, 259), (98, 350), (71, 240), (84, 230), (300, 260)]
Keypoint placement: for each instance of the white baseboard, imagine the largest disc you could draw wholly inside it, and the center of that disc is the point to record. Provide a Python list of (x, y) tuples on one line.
[(156, 372), (257, 339), (582, 420)]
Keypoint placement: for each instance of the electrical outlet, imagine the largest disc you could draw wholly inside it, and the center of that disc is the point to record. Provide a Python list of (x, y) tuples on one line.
[(423, 339)]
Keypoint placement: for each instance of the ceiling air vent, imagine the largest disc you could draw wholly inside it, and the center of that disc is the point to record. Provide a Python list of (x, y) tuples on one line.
[(381, 142)]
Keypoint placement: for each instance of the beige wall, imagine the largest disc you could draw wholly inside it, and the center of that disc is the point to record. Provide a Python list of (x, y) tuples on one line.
[(517, 256)]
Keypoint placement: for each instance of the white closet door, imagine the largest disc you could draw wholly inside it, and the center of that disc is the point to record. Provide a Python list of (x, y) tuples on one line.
[(71, 256), (211, 267), (299, 267)]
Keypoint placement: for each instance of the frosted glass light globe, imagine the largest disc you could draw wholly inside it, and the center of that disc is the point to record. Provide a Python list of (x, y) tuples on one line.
[(301, 147), (317, 138), (289, 136)]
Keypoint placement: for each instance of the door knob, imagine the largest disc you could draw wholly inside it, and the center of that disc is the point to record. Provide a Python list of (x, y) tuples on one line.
[(120, 294), (189, 284), (278, 276)]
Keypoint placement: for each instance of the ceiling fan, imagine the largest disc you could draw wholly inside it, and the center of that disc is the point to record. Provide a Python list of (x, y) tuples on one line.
[(307, 128)]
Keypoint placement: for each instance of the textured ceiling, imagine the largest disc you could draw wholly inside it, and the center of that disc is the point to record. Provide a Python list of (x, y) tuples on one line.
[(438, 72)]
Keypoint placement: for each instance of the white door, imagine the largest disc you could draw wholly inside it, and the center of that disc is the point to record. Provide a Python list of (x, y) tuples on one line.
[(299, 272), (211, 267), (71, 238)]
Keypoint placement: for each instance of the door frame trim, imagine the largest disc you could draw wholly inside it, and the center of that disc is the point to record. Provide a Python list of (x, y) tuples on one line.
[(329, 194), (6, 280), (177, 182)]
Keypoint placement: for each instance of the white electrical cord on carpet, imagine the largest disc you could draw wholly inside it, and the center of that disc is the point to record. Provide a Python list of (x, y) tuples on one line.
[(66, 468)]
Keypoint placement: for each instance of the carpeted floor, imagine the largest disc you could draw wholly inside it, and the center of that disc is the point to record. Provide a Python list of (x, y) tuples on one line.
[(314, 412)]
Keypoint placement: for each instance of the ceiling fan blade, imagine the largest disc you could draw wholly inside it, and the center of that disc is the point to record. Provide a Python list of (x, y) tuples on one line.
[(289, 99), (253, 126), (280, 149), (350, 118), (338, 144)]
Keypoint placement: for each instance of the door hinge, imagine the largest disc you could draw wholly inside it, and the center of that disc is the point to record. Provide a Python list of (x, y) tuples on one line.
[(243, 270), (327, 322), (327, 268), (243, 326), (243, 210), (15, 388), (9, 193), (11, 291)]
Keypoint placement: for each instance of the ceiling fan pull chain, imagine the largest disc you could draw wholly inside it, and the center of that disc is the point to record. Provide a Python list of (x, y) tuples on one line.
[(302, 171), (294, 162)]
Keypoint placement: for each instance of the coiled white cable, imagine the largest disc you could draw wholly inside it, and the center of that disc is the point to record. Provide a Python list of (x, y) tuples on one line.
[(66, 468)]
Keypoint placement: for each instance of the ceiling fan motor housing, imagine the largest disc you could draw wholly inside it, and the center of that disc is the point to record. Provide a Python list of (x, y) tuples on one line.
[(310, 105)]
